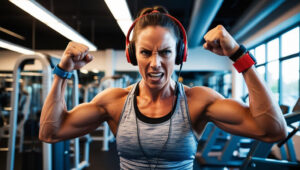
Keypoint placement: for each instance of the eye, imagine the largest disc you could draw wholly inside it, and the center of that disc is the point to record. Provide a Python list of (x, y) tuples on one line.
[(165, 52), (146, 53)]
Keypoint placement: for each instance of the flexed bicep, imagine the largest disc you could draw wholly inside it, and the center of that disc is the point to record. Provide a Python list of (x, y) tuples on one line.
[(81, 120), (77, 122), (234, 117)]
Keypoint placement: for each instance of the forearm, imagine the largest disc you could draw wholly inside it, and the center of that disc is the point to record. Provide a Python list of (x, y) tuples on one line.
[(263, 106), (53, 111)]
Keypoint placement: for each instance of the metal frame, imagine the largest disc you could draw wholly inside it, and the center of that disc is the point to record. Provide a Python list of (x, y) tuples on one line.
[(257, 157), (20, 126), (46, 81), (280, 59), (85, 163), (210, 156)]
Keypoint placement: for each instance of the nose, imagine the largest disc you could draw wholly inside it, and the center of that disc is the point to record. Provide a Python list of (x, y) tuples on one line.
[(155, 60)]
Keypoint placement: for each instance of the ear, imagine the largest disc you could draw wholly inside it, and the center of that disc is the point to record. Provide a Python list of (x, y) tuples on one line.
[(131, 53), (179, 52)]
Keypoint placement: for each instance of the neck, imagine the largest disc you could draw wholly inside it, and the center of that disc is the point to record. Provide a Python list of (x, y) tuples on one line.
[(156, 94)]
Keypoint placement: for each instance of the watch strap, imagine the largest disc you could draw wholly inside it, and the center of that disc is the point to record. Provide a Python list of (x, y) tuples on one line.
[(242, 49), (62, 73), (244, 62)]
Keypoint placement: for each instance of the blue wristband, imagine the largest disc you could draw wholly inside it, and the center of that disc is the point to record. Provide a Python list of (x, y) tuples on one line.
[(61, 73)]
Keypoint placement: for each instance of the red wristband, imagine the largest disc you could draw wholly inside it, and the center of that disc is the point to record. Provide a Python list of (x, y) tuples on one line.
[(244, 63)]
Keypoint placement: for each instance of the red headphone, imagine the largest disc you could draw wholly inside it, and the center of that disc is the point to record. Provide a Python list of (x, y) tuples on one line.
[(181, 45)]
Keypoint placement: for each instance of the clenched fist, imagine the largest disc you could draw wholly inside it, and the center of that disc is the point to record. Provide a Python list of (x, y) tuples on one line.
[(75, 56), (220, 42)]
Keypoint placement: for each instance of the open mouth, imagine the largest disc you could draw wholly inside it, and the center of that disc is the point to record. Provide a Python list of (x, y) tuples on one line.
[(155, 76)]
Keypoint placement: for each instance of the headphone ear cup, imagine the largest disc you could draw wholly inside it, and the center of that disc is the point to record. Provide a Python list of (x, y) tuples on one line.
[(131, 52), (180, 52)]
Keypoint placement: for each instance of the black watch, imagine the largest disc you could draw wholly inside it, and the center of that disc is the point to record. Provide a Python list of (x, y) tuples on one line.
[(238, 53)]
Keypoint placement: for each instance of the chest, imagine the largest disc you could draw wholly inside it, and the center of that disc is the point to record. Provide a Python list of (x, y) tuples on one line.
[(171, 140), (155, 109)]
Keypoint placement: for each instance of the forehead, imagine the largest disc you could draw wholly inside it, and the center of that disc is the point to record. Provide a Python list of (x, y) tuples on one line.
[(151, 35)]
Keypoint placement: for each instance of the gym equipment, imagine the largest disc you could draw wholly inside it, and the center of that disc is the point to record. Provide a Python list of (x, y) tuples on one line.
[(108, 82), (75, 101), (20, 63), (218, 148), (48, 162), (257, 157), (24, 113), (181, 45)]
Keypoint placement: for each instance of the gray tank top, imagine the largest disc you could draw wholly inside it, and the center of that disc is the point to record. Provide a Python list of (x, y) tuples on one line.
[(168, 142)]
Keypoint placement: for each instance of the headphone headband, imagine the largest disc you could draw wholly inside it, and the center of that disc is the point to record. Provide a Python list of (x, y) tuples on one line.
[(170, 16)]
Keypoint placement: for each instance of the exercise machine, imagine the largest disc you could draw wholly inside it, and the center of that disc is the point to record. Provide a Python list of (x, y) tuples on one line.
[(49, 162), (258, 155), (219, 149)]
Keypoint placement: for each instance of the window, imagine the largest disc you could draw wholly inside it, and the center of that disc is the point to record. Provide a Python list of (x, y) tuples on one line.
[(290, 81), (261, 71), (260, 54), (273, 77), (278, 63), (252, 52), (273, 49), (290, 42)]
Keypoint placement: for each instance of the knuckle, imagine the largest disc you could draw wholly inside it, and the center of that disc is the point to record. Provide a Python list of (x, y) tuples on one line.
[(221, 34), (220, 27), (71, 43)]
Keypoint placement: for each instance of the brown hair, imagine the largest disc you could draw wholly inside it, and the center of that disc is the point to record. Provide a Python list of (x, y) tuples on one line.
[(155, 19)]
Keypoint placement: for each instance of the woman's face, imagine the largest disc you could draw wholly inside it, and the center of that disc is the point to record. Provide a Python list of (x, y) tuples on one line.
[(156, 52)]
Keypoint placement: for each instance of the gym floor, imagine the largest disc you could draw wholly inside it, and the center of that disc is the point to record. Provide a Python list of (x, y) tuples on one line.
[(103, 159), (31, 159)]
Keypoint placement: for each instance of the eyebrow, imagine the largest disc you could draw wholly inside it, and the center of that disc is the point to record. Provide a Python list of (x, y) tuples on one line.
[(166, 48)]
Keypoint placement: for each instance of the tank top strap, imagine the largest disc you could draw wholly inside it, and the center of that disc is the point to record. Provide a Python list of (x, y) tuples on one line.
[(128, 105), (185, 110)]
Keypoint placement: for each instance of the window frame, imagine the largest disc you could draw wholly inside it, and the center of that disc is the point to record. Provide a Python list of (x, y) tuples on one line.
[(280, 59)]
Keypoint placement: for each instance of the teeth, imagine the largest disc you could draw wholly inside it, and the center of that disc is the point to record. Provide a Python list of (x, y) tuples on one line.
[(155, 74)]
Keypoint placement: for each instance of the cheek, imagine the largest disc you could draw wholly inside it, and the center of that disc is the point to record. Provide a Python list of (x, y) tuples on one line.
[(170, 66), (142, 68)]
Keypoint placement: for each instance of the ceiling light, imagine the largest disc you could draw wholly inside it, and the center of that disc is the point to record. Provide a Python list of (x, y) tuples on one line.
[(84, 71), (14, 47), (12, 33), (45, 16), (95, 71), (120, 11)]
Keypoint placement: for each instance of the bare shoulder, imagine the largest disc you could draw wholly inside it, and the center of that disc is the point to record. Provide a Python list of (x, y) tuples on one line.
[(201, 93), (199, 98), (112, 100), (111, 95)]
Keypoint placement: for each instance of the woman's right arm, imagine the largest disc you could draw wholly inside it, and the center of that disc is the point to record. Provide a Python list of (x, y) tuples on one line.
[(56, 122)]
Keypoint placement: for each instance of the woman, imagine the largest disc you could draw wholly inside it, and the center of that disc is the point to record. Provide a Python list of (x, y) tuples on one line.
[(157, 121)]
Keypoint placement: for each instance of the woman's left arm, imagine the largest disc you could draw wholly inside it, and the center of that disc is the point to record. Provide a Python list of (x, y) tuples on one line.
[(262, 119)]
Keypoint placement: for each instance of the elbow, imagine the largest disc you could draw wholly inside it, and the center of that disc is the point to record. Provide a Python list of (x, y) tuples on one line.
[(275, 139), (275, 136), (47, 137), (282, 133)]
